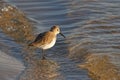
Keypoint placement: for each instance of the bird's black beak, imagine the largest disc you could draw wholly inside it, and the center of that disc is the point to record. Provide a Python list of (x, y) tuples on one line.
[(62, 35)]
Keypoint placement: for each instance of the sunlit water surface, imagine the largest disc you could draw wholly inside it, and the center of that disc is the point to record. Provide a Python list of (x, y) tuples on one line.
[(89, 25)]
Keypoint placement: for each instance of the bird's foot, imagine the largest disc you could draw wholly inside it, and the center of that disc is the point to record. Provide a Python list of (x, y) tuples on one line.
[(43, 58)]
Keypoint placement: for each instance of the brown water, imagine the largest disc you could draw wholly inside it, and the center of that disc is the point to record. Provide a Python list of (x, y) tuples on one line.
[(91, 27)]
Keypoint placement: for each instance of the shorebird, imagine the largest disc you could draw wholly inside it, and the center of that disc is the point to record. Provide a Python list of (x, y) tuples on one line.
[(47, 39)]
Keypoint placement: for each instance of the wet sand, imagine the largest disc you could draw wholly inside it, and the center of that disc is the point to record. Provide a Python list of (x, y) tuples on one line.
[(100, 68), (90, 52)]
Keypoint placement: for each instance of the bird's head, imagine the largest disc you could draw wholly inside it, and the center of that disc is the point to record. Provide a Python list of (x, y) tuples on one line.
[(56, 30)]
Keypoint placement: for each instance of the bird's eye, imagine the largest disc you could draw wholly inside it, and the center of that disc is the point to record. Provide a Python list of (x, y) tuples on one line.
[(57, 30)]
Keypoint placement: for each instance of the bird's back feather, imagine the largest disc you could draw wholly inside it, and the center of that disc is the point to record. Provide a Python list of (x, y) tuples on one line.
[(44, 38)]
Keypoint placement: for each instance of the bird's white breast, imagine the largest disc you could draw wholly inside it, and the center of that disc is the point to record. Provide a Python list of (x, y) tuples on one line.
[(47, 46)]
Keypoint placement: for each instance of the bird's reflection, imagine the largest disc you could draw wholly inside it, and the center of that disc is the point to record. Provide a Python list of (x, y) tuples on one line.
[(39, 69)]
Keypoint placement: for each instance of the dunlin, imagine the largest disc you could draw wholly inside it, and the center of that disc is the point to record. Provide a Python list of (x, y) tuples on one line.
[(47, 39)]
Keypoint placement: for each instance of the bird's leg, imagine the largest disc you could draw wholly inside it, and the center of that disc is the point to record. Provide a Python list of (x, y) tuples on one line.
[(43, 54)]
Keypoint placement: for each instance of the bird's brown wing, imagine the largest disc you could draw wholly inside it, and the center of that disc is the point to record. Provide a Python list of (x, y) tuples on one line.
[(44, 38), (39, 36)]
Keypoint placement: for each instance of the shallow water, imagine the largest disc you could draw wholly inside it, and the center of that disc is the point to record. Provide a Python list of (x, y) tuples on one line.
[(91, 26)]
